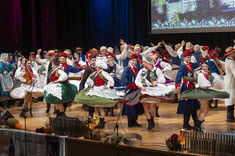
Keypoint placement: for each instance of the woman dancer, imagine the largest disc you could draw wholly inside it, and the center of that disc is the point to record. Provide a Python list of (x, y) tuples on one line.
[(28, 77), (203, 93), (151, 82), (59, 90), (99, 94)]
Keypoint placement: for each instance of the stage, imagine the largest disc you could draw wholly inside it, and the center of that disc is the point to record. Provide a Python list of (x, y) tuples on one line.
[(167, 124)]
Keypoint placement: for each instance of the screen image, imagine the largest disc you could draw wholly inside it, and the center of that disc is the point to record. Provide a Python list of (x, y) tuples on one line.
[(185, 16)]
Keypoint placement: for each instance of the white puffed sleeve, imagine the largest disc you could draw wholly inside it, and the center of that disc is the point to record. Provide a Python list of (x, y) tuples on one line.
[(63, 76), (171, 51), (35, 73), (160, 76), (148, 51), (110, 82), (165, 66), (19, 74), (41, 61), (89, 81), (180, 51)]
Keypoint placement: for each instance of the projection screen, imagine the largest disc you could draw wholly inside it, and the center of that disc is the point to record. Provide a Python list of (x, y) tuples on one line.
[(188, 16)]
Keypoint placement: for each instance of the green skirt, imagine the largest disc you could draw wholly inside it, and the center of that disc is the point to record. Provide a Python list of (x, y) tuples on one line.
[(200, 93), (93, 101), (68, 93)]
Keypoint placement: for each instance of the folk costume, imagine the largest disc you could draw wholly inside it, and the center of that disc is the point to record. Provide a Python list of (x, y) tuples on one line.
[(152, 94), (203, 93), (6, 82), (204, 89), (98, 95), (47, 64), (59, 90), (186, 75), (230, 83), (28, 89), (88, 71), (136, 108)]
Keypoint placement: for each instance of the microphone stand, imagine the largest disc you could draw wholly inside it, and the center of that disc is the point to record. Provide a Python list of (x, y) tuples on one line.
[(25, 143), (117, 126)]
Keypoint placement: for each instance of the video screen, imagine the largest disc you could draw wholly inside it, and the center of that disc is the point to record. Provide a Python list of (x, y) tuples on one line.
[(177, 16)]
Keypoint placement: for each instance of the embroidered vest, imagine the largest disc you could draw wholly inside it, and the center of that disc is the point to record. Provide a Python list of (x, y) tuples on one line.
[(148, 76)]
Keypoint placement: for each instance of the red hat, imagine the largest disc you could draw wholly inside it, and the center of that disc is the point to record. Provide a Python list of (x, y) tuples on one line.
[(33, 56), (88, 53), (165, 53), (63, 54), (229, 50), (187, 53), (133, 56), (154, 52), (205, 47), (213, 54), (110, 54), (132, 48), (51, 52)]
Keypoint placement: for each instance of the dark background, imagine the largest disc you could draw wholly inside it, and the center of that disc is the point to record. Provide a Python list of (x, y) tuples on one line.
[(27, 25)]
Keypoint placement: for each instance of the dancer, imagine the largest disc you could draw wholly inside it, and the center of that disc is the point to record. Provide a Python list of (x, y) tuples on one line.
[(48, 68), (164, 67), (6, 70), (151, 82), (28, 77), (186, 72), (89, 70), (230, 82), (59, 90), (128, 78), (99, 94), (204, 93)]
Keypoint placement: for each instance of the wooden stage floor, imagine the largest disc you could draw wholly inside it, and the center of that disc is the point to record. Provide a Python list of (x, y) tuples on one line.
[(167, 124)]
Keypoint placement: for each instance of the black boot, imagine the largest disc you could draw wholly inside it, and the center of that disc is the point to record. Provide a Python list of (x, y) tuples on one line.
[(48, 107), (230, 114), (149, 124), (30, 112), (54, 110), (197, 126), (216, 104), (23, 113), (186, 122), (210, 101), (5, 104), (157, 115), (65, 106), (101, 123), (134, 121), (152, 122), (130, 121), (210, 104), (111, 111)]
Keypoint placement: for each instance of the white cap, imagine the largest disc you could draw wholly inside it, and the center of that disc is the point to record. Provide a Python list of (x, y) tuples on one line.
[(110, 49), (101, 64)]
